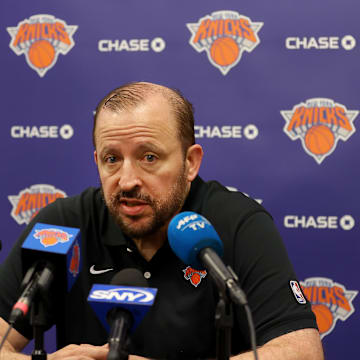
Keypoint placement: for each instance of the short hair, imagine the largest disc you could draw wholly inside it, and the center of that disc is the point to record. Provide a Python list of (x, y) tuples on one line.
[(132, 94)]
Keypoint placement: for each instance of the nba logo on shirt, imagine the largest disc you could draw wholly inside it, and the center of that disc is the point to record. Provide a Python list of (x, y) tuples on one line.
[(295, 287)]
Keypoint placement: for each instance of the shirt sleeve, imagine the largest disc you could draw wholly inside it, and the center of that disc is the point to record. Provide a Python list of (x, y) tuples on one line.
[(266, 274)]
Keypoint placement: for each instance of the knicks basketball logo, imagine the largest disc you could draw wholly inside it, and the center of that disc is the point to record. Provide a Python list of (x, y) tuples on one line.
[(29, 201), (224, 36), (330, 302), (319, 123), (51, 237), (195, 276), (75, 260), (41, 38)]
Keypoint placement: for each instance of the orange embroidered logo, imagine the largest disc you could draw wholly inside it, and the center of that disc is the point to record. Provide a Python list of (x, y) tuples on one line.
[(319, 123), (195, 276), (41, 38), (224, 35), (330, 302), (51, 237)]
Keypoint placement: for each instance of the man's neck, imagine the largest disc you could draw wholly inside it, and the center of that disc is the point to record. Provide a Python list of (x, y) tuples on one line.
[(149, 245)]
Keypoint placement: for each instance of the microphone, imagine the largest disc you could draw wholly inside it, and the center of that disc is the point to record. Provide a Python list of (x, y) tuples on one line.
[(123, 304), (195, 241), (49, 254)]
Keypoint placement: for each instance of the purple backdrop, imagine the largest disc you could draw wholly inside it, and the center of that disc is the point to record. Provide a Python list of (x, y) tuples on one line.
[(275, 87)]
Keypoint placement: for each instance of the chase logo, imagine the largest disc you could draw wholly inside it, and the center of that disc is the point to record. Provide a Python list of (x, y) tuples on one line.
[(319, 123), (224, 36), (41, 38), (123, 294)]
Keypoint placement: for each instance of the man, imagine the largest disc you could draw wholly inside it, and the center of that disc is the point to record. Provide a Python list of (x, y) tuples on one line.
[(148, 164)]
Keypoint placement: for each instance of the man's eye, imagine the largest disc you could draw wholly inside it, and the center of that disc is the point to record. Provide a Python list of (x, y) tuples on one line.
[(150, 158), (110, 159)]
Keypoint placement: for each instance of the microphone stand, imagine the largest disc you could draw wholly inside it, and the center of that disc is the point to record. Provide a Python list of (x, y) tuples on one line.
[(39, 310), (223, 323), (38, 322)]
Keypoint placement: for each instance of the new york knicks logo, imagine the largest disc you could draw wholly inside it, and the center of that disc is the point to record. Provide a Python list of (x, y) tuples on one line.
[(319, 123), (195, 276), (52, 237), (224, 35), (75, 260), (41, 38), (330, 302), (30, 200)]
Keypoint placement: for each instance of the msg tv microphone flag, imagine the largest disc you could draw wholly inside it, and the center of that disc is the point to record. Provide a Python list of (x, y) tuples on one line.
[(136, 300), (195, 241), (58, 245), (189, 233)]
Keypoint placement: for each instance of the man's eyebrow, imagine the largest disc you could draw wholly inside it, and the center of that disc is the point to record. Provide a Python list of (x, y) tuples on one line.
[(147, 146)]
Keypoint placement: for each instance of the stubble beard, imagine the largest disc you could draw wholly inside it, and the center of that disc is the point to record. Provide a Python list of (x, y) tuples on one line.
[(162, 209)]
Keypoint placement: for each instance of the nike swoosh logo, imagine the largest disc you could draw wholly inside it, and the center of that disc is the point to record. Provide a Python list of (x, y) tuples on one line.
[(98, 272)]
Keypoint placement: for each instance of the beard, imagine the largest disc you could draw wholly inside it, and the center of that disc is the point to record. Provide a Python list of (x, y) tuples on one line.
[(163, 209)]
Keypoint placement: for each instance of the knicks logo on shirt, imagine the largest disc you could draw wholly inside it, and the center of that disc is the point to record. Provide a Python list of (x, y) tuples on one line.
[(195, 276), (319, 123), (41, 38), (224, 36), (330, 301), (52, 237)]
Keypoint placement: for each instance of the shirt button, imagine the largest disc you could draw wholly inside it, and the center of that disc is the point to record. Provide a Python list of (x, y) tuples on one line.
[(147, 275)]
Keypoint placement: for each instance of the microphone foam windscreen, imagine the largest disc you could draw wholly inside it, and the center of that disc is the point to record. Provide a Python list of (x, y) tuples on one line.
[(189, 233), (129, 277)]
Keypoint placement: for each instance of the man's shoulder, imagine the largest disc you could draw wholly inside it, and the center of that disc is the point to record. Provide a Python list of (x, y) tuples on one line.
[(72, 210), (216, 200)]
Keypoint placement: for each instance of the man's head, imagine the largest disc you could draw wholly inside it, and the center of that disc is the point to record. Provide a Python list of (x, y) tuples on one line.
[(131, 95), (146, 156)]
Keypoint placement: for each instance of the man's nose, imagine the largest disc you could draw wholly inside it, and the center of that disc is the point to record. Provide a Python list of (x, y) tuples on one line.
[(128, 176)]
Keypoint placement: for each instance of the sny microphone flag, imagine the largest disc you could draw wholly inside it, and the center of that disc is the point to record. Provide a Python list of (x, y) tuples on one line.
[(136, 300)]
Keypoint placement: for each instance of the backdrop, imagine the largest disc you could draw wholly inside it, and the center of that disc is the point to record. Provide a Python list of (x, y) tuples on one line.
[(275, 85)]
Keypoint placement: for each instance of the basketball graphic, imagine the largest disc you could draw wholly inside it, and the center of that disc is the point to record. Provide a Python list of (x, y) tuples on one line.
[(224, 51), (324, 317), (224, 35), (195, 278), (319, 139), (41, 38), (41, 54)]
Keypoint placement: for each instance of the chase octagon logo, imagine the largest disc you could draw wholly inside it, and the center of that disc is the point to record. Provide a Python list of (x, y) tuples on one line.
[(224, 35), (319, 123), (41, 38)]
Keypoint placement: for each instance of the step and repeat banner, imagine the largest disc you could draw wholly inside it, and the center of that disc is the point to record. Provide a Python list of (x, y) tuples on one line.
[(276, 91)]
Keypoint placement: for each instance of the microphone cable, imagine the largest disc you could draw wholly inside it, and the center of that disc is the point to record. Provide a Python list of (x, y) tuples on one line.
[(5, 336)]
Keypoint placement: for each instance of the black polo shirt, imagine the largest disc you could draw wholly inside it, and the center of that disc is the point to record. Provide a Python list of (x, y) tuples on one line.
[(181, 323)]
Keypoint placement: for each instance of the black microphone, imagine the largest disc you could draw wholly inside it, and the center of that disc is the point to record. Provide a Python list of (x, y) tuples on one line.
[(50, 254), (122, 320), (122, 304), (195, 241)]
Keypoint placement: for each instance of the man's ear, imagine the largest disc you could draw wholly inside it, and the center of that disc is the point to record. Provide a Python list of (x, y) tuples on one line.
[(95, 157), (193, 161)]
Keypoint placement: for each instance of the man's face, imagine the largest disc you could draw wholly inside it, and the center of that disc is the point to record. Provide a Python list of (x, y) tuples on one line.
[(141, 164)]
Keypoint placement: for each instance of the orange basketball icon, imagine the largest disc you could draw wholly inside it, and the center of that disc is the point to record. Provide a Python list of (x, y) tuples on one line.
[(41, 54), (319, 139), (224, 51), (324, 317)]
